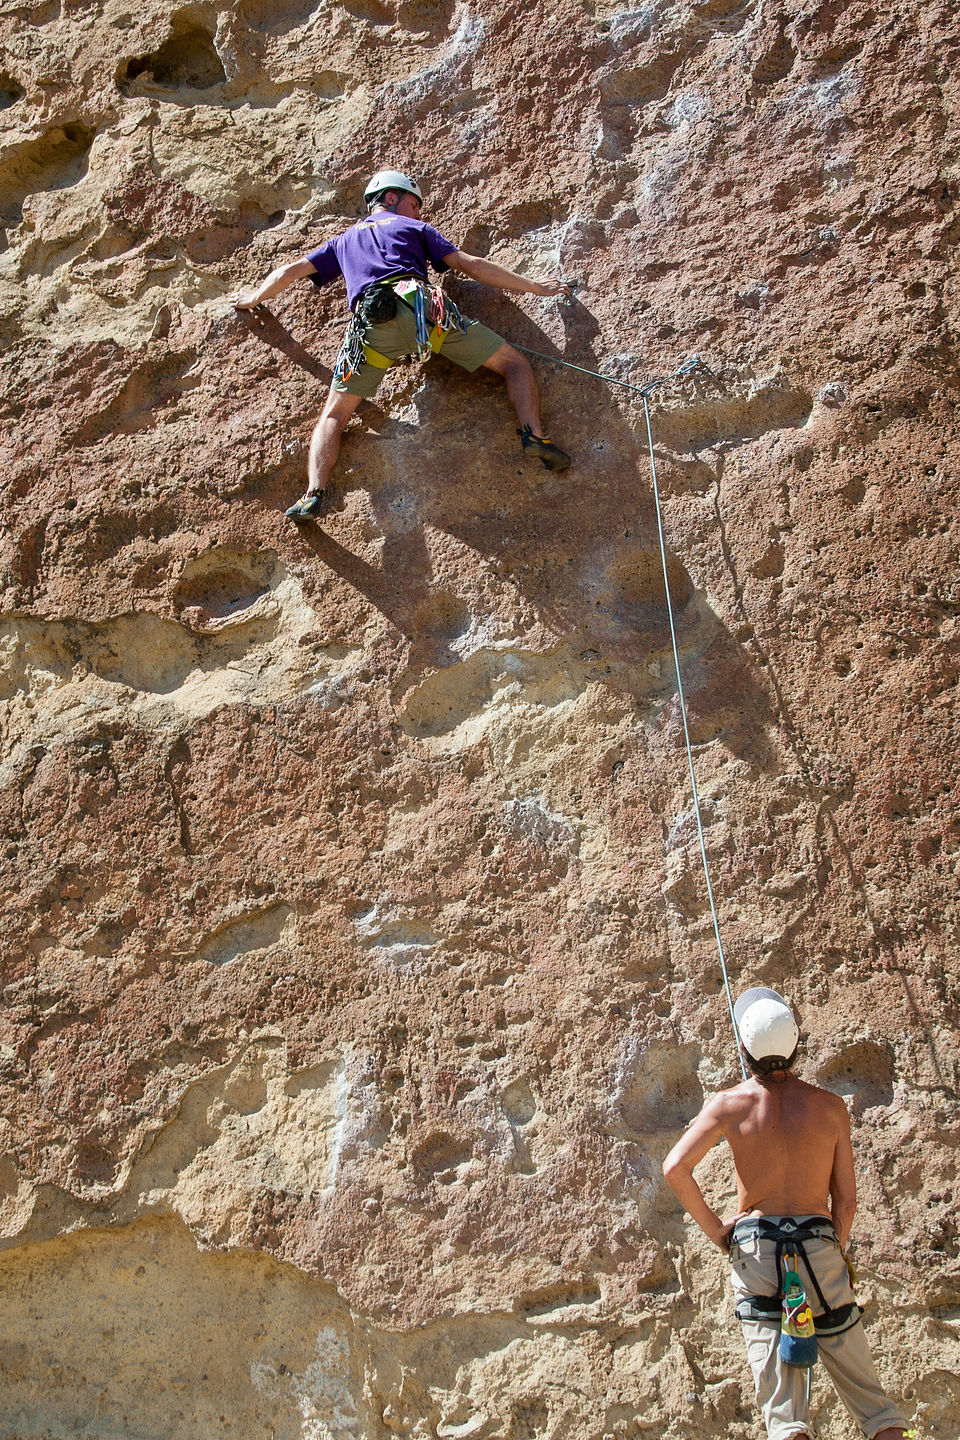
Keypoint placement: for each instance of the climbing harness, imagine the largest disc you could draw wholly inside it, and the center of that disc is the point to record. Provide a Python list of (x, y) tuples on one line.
[(789, 1307), (788, 1237), (435, 315)]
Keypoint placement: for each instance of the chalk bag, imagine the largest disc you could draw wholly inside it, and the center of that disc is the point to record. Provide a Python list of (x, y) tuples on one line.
[(798, 1336)]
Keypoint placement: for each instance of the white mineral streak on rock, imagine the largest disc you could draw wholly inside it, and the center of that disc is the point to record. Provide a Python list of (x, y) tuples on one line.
[(689, 108), (528, 820), (322, 1391)]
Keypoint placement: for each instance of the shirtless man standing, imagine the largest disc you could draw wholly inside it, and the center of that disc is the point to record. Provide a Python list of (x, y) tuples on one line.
[(796, 1194)]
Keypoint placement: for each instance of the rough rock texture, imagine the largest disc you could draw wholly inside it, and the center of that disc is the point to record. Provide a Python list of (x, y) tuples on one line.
[(358, 969)]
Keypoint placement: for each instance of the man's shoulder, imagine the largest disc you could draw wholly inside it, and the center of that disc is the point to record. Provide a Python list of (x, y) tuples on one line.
[(828, 1102), (418, 227), (749, 1093), (428, 233), (727, 1103), (735, 1095)]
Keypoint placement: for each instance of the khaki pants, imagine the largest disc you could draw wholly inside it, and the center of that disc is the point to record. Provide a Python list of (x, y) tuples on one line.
[(782, 1389)]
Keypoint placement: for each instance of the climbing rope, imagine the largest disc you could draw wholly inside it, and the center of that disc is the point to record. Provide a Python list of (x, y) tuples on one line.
[(687, 369), (694, 363), (645, 391)]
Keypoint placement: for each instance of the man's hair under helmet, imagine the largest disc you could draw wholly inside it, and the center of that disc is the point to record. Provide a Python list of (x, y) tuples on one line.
[(768, 1030), (384, 180)]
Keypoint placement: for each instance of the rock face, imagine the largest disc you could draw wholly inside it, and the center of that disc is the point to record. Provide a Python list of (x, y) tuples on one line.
[(358, 966)]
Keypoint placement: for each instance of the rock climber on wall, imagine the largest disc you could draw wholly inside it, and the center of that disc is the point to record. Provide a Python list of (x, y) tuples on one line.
[(384, 260), (797, 1196)]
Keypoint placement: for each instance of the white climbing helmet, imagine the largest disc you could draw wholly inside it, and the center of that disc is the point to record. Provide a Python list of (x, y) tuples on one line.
[(390, 180), (766, 1025)]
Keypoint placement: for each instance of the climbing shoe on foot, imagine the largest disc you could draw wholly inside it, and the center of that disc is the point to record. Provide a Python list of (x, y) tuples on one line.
[(538, 447), (308, 507)]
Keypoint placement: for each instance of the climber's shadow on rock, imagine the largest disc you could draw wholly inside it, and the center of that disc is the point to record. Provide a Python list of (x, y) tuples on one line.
[(262, 323), (576, 553)]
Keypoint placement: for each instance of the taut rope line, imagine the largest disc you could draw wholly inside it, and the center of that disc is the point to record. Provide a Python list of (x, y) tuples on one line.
[(685, 370), (645, 391), (694, 363)]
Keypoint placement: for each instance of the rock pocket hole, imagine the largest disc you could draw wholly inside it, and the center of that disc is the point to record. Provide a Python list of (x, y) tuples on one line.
[(463, 692), (10, 92), (548, 1302), (776, 62), (440, 1155), (444, 616), (635, 581), (257, 930), (371, 10), (54, 161), (223, 584), (276, 14), (94, 1164), (530, 215), (731, 420), (664, 1092), (186, 61), (256, 218), (638, 86), (519, 1103), (432, 16), (862, 1073)]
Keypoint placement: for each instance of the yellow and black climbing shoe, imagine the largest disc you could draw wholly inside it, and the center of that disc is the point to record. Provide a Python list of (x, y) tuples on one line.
[(308, 507), (538, 447)]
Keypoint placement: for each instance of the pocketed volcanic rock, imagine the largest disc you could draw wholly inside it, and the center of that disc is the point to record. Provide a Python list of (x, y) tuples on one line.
[(358, 968)]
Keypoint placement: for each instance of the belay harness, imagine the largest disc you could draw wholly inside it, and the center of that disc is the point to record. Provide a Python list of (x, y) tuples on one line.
[(789, 1237), (434, 313)]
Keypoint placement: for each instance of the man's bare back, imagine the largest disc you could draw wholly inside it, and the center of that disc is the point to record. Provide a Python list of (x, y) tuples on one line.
[(784, 1137), (791, 1152)]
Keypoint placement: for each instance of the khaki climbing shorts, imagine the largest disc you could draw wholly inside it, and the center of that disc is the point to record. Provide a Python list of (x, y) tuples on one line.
[(398, 337)]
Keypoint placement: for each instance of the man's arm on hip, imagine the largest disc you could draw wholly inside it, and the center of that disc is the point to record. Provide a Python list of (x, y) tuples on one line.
[(684, 1158)]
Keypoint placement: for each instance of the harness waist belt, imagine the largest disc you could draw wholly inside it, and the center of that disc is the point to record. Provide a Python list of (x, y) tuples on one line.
[(391, 281), (818, 1227)]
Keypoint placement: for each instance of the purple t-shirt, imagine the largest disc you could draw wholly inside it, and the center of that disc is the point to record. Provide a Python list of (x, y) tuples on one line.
[(384, 244)]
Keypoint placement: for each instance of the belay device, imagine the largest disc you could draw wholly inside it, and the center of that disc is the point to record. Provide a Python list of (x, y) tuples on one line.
[(798, 1336)]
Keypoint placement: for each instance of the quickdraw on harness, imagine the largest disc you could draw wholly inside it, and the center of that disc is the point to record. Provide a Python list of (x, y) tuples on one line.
[(789, 1306), (434, 316)]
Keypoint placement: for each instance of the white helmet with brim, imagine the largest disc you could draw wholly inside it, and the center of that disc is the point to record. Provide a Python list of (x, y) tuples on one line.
[(766, 1025), (385, 180)]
